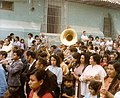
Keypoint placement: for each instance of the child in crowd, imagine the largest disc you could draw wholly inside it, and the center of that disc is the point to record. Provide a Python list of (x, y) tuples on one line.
[(68, 90), (94, 89)]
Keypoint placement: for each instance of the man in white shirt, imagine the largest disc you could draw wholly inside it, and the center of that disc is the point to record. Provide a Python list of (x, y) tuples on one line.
[(109, 44), (84, 37), (30, 39)]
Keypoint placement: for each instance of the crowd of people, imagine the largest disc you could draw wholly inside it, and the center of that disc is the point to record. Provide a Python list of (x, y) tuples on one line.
[(90, 68)]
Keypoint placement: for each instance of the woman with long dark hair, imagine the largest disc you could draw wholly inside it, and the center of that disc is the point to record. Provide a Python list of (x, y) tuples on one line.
[(84, 60), (40, 84), (55, 68), (112, 81)]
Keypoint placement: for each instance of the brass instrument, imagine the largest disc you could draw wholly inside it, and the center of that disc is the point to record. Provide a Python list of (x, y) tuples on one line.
[(68, 37), (7, 59)]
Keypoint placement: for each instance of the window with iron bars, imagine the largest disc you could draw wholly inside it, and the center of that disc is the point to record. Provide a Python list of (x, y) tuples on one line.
[(6, 5)]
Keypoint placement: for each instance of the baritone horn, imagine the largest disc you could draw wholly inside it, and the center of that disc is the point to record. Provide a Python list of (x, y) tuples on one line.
[(68, 37)]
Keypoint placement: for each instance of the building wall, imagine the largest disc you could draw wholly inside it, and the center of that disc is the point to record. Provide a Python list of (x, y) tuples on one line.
[(22, 13), (79, 16), (91, 16)]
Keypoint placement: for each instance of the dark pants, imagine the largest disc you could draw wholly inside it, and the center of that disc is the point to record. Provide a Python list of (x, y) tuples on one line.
[(22, 93)]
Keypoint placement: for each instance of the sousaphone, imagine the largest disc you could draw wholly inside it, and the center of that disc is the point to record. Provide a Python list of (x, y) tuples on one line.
[(68, 37)]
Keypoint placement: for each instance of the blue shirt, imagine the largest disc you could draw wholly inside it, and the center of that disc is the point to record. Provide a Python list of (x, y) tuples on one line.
[(3, 83), (57, 71)]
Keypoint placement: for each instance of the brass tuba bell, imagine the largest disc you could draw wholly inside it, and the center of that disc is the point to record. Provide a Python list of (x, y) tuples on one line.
[(68, 37)]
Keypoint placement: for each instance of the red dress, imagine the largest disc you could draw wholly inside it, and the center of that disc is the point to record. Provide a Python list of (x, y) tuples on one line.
[(47, 95)]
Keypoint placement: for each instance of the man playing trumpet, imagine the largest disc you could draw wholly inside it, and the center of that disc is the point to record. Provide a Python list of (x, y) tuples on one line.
[(14, 71)]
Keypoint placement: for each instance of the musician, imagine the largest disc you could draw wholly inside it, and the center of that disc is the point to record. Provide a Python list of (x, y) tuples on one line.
[(69, 57), (14, 71)]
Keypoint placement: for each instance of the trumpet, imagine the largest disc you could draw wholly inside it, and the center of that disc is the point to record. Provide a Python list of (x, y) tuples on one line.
[(7, 59)]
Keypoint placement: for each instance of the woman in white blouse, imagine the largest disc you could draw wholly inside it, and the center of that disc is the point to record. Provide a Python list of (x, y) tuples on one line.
[(92, 72)]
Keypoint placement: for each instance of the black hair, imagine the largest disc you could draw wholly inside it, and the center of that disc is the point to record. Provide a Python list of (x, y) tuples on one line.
[(105, 56), (61, 55), (33, 42), (76, 56), (11, 34), (18, 52), (68, 77), (90, 36), (84, 31), (87, 57), (107, 52), (22, 51), (41, 74), (95, 85), (9, 37), (40, 40), (96, 37), (96, 48), (73, 49), (30, 34), (43, 54), (57, 59), (116, 65), (36, 36), (31, 53), (43, 61), (3, 53), (54, 46), (91, 45), (82, 43), (96, 58), (112, 62), (17, 37), (22, 40)]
